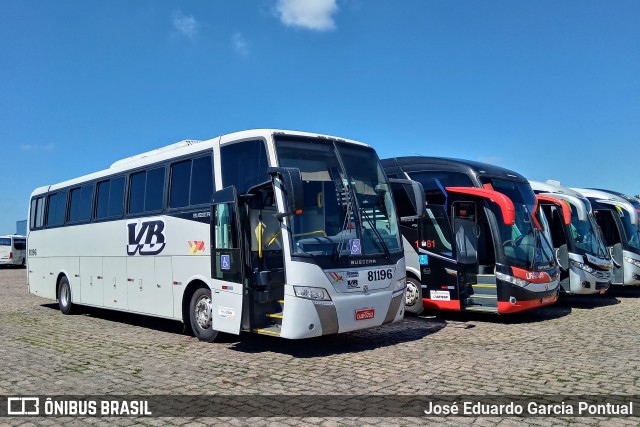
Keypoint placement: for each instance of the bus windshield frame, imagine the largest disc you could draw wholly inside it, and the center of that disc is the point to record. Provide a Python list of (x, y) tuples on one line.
[(348, 204), (522, 245)]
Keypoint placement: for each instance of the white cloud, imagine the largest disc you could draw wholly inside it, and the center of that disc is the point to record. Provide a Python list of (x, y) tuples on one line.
[(186, 25), (240, 44), (308, 14), (35, 147)]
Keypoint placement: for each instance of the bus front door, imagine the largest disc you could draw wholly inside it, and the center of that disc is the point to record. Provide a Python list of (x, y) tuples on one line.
[(476, 291), (227, 262)]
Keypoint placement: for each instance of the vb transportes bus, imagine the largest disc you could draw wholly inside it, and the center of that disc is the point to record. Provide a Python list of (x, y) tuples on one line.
[(13, 250), (300, 238), (478, 248), (618, 220), (585, 262)]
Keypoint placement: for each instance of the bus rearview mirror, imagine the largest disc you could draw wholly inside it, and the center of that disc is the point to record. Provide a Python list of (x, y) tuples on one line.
[(292, 183)]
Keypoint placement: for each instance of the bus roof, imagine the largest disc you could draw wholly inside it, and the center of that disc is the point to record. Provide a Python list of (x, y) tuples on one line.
[(181, 148), (579, 201), (610, 199), (470, 167)]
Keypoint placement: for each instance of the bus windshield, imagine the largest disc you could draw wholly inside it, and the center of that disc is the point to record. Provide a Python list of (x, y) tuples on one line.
[(587, 235), (631, 230), (522, 244), (348, 205)]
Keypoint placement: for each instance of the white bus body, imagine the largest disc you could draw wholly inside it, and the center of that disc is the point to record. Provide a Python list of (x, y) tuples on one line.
[(13, 250), (147, 236)]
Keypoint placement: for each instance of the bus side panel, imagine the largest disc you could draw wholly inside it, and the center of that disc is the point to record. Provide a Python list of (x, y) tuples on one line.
[(184, 268), (91, 282), (115, 282), (40, 282)]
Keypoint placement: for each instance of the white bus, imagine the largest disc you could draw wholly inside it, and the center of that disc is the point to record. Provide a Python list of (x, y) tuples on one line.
[(13, 250), (300, 238)]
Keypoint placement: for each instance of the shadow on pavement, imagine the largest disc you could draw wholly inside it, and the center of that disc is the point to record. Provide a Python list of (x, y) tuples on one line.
[(587, 301), (410, 329), (624, 291), (533, 316), (155, 323)]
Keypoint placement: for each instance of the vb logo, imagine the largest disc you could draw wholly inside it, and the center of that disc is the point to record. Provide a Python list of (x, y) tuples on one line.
[(146, 237)]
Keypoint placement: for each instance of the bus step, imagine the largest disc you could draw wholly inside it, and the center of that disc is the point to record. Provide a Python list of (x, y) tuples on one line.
[(281, 301), (486, 279), (482, 286), (484, 296), (274, 315), (269, 330), (482, 309)]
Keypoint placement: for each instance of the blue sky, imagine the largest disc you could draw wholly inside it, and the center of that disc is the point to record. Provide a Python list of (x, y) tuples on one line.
[(550, 89)]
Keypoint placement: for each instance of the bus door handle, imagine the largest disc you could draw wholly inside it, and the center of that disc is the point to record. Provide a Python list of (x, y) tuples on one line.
[(140, 283)]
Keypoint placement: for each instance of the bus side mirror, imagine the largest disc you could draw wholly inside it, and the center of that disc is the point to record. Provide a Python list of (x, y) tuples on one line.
[(294, 195), (415, 193)]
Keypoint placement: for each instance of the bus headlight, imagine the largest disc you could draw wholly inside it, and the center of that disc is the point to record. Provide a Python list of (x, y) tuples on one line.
[(583, 266), (400, 284), (317, 294), (632, 261), (513, 280)]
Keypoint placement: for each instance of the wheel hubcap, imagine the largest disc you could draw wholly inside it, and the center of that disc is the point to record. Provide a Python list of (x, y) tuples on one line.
[(412, 294), (203, 312), (64, 295)]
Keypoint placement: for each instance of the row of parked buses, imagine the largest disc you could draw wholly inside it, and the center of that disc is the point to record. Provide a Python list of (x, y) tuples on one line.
[(299, 235)]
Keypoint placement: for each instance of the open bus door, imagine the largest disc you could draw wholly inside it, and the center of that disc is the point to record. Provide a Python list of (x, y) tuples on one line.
[(612, 232), (227, 265)]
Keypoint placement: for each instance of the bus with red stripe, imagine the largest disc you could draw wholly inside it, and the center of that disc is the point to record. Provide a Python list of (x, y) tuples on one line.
[(480, 246)]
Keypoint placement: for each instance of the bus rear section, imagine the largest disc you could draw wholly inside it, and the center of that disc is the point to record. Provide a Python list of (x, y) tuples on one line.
[(477, 248), (13, 251)]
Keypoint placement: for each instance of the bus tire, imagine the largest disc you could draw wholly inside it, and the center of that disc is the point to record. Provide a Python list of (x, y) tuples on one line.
[(64, 296), (200, 314), (413, 300)]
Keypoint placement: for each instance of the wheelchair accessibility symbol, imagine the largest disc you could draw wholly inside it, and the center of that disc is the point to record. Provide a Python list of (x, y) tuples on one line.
[(354, 246), (424, 259), (225, 262)]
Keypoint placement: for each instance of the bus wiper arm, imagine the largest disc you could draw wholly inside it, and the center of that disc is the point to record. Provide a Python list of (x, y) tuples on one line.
[(365, 215)]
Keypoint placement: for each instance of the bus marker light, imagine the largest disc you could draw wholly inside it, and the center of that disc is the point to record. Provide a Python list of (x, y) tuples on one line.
[(513, 300)]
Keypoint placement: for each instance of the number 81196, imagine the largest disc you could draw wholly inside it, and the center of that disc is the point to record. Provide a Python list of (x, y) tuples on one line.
[(376, 275)]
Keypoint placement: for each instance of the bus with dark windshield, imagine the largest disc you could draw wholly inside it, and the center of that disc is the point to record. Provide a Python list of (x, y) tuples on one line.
[(274, 232), (567, 217), (618, 220), (478, 247)]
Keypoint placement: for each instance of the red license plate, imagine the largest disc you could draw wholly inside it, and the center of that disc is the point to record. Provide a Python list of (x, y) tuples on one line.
[(367, 313), (547, 299)]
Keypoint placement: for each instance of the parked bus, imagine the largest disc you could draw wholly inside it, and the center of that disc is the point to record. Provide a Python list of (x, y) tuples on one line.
[(618, 220), (585, 263), (477, 248), (299, 240), (13, 250)]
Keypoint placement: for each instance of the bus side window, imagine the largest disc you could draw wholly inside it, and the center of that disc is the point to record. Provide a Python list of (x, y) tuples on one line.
[(436, 231), (244, 164), (37, 213), (57, 203)]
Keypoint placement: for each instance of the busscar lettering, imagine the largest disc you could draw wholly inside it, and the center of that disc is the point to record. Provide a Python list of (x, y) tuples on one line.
[(152, 232)]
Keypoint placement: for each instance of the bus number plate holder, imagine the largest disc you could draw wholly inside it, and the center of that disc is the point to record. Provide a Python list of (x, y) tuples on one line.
[(365, 314)]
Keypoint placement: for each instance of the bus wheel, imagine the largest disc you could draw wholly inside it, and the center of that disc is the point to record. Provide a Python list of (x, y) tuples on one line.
[(64, 296), (413, 299), (200, 312)]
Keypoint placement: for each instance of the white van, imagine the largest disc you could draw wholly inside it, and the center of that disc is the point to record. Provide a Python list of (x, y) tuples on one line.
[(13, 250)]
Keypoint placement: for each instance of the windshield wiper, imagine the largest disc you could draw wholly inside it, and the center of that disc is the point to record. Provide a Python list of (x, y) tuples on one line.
[(365, 215)]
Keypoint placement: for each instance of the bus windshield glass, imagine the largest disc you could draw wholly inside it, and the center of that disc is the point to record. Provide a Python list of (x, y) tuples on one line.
[(522, 244), (587, 235), (348, 205), (630, 229)]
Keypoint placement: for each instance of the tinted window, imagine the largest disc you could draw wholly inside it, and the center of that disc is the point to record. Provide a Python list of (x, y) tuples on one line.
[(116, 197), (146, 190), (40, 212), (19, 244), (244, 164), (57, 203), (154, 190), (202, 180), (32, 214), (136, 192), (81, 200), (102, 205), (180, 178), (5, 241)]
